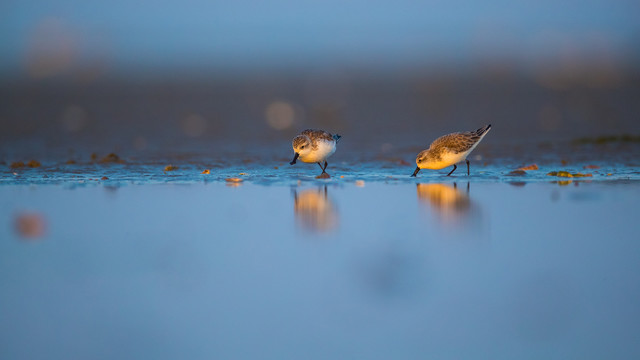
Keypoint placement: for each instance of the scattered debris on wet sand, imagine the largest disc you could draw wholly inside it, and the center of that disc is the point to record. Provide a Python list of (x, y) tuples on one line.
[(522, 171), (20, 164), (170, 168), (111, 158), (517, 172), (206, 172), (529, 167)]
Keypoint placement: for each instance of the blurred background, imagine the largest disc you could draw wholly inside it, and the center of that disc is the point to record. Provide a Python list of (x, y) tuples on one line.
[(153, 77), (375, 263)]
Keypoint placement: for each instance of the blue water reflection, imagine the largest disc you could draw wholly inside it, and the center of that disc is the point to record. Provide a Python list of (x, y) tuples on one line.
[(409, 271), (453, 212), (315, 210)]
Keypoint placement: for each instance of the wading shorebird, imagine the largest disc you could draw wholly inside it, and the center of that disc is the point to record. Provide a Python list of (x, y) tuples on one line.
[(449, 150), (314, 146)]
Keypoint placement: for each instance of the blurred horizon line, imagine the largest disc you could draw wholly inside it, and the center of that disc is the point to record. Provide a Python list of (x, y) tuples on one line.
[(612, 68), (46, 38)]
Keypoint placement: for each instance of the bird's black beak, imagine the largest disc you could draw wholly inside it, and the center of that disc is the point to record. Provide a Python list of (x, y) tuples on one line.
[(416, 172), (295, 157)]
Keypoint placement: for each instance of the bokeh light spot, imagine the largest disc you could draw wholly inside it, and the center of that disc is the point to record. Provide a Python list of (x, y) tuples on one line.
[(549, 118), (280, 115), (51, 48), (140, 143), (74, 118), (194, 125)]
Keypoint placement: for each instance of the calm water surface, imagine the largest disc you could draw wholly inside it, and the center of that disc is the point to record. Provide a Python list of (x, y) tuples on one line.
[(336, 270)]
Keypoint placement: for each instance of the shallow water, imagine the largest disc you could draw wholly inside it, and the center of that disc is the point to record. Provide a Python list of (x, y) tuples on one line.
[(401, 268)]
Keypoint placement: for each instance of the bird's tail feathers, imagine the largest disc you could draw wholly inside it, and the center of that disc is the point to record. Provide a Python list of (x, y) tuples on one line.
[(483, 130)]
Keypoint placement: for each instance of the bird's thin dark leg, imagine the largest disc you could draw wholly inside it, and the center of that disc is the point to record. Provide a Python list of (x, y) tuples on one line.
[(325, 166), (454, 169), (467, 167), (416, 172), (320, 166)]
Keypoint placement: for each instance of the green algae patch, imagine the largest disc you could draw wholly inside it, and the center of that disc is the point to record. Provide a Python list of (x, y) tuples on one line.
[(568, 174), (560, 174)]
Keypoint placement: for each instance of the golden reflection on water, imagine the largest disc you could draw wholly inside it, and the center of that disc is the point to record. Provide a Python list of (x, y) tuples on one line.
[(233, 183), (453, 209), (446, 199), (314, 210)]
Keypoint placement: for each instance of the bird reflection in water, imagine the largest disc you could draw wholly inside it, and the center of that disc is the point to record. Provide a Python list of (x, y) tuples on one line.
[(452, 207), (314, 210), (447, 200)]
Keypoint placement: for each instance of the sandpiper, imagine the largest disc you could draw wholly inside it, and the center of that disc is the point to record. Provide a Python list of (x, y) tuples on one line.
[(314, 146), (449, 150)]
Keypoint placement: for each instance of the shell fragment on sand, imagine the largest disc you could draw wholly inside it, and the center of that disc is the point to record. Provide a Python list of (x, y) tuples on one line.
[(529, 167)]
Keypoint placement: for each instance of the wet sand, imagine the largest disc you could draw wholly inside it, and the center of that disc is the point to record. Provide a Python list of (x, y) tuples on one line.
[(269, 165), (140, 253)]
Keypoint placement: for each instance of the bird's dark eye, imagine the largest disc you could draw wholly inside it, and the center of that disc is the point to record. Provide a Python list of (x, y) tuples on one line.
[(302, 147)]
